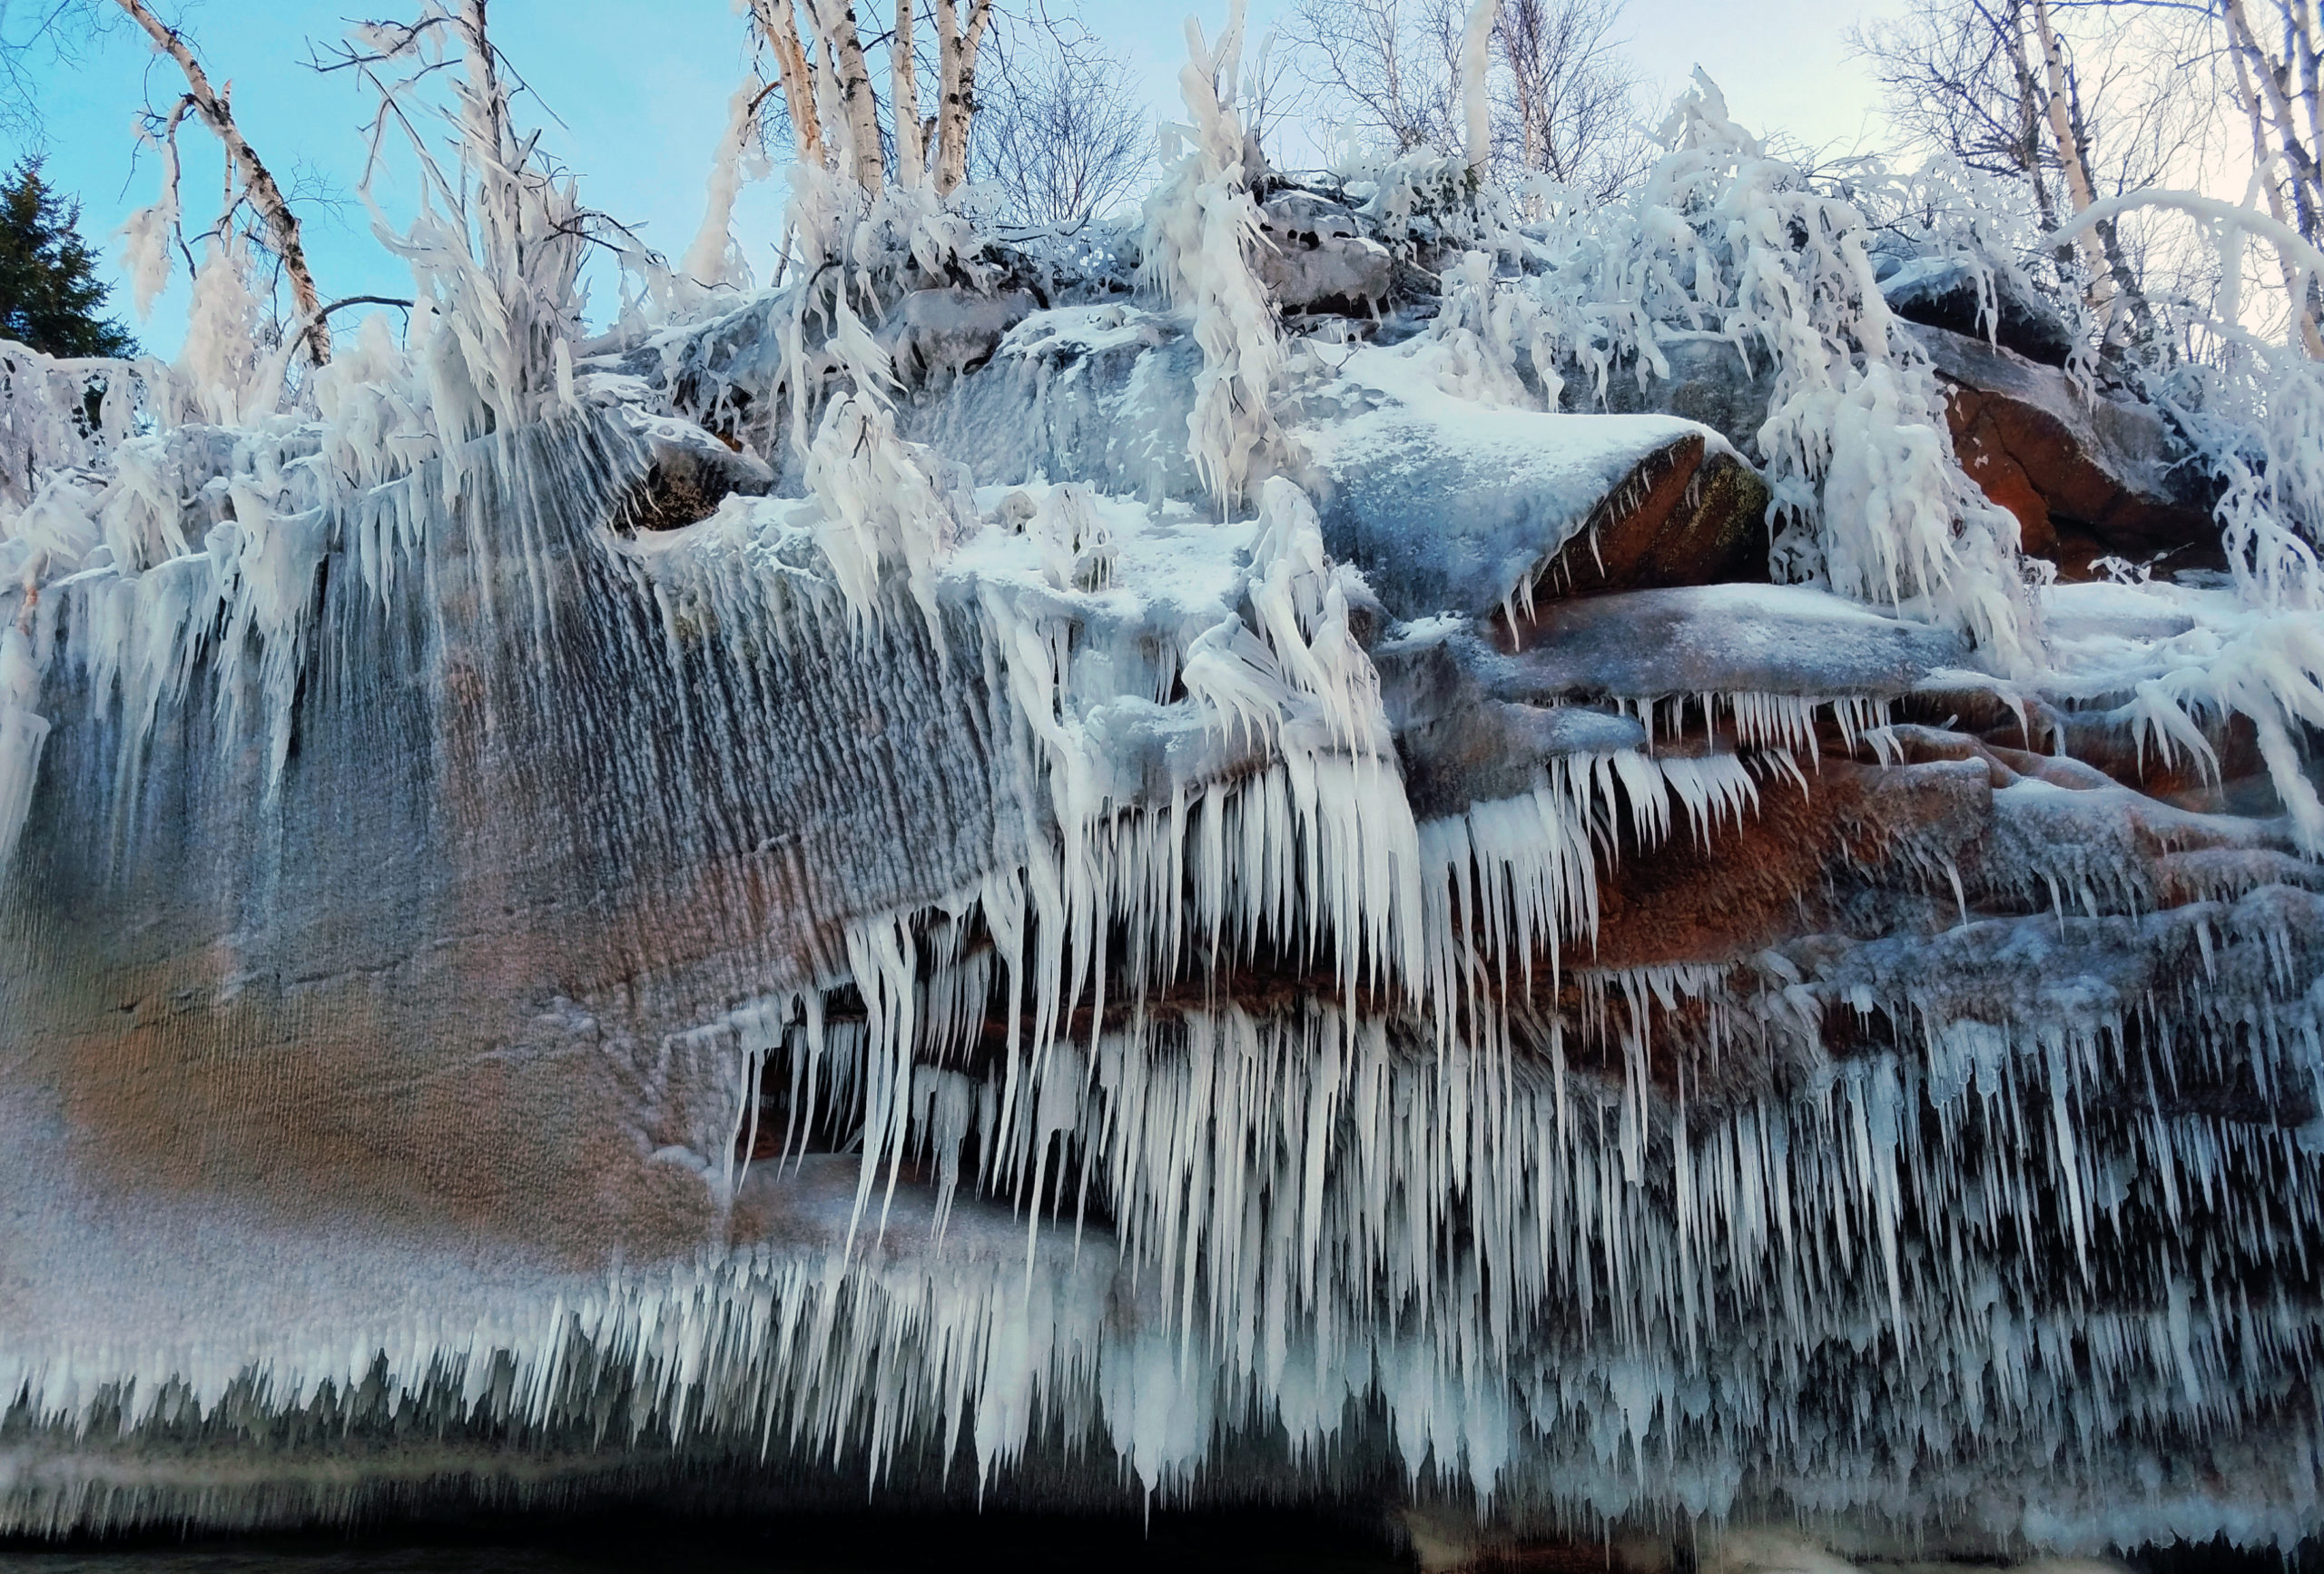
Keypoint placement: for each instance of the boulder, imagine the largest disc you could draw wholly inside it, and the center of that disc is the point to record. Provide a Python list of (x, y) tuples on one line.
[(689, 473), (2086, 476), (1697, 518), (1945, 292), (944, 333), (1709, 382), (1452, 508), (1317, 259)]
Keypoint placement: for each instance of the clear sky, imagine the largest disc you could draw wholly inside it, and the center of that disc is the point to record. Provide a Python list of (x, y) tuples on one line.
[(641, 87)]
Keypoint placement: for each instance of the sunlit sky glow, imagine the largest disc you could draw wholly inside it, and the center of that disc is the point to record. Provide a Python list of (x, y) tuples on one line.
[(640, 90)]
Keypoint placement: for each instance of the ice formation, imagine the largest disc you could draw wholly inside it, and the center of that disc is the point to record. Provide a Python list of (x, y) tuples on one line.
[(952, 879)]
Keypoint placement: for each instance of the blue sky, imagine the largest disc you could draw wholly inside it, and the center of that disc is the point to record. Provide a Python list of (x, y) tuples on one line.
[(641, 91)]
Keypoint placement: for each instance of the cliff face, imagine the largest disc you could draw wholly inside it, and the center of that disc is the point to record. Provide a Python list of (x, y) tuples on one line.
[(646, 949)]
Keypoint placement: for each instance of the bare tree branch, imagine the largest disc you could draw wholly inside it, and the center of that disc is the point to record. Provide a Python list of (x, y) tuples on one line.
[(30, 31), (1063, 134), (258, 182), (1564, 100)]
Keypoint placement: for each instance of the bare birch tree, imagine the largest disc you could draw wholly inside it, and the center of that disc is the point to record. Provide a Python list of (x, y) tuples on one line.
[(2277, 91), (776, 27), (1565, 99), (1960, 80), (859, 107), (1998, 84), (1570, 95), (2079, 193), (249, 180), (1392, 65), (1063, 133), (904, 100), (824, 80), (957, 49)]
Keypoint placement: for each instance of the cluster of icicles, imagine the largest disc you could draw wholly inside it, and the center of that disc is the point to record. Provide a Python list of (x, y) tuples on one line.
[(1562, 1267), (1308, 1113), (1605, 1284)]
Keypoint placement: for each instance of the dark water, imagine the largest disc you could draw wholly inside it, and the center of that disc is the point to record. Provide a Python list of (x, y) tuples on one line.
[(865, 1543), (1286, 1541)]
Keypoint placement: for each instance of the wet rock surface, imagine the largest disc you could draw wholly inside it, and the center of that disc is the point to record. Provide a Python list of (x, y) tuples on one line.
[(2086, 475)]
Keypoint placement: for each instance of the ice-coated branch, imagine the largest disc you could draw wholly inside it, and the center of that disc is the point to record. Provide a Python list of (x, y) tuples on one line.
[(2231, 219), (1201, 227), (1476, 61), (711, 259), (259, 184), (148, 233)]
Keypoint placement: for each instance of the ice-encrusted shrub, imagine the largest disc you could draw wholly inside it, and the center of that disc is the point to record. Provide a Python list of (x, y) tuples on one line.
[(496, 244), (2252, 415), (223, 373), (1201, 229), (1728, 243)]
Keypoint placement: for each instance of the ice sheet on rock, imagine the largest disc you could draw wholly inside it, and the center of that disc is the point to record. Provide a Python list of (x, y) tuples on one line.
[(2102, 609), (1725, 639), (2169, 665), (1100, 394), (1451, 507)]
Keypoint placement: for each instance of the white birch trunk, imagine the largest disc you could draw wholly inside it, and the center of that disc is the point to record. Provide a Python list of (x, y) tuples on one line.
[(779, 26), (2029, 120), (904, 102), (2079, 193), (2247, 97), (2270, 74), (957, 87), (859, 107)]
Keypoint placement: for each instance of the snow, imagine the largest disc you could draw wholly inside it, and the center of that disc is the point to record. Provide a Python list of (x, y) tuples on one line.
[(1449, 506)]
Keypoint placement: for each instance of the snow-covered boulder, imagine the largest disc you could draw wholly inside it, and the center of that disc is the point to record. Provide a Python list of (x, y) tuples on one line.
[(1952, 294)]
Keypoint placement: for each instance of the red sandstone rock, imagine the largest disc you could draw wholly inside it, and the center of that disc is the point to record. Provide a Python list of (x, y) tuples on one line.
[(2085, 475)]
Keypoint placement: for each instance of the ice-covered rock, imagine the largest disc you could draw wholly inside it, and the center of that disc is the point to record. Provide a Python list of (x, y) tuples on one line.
[(1318, 259), (1949, 293), (844, 903)]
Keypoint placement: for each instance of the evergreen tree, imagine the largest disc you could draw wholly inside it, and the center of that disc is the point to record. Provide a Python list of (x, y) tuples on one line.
[(49, 294)]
